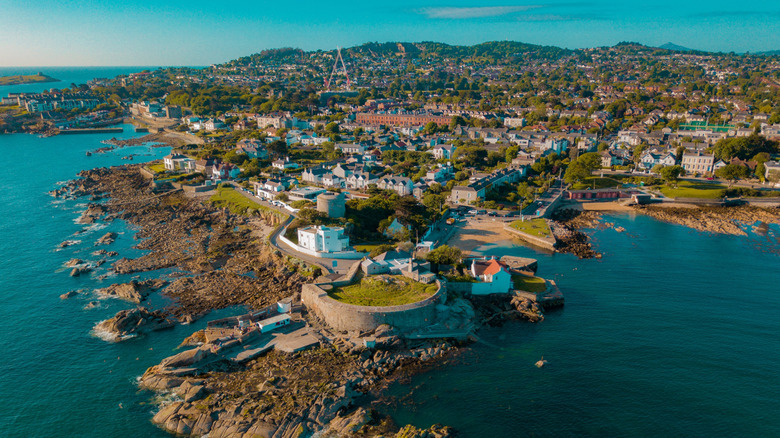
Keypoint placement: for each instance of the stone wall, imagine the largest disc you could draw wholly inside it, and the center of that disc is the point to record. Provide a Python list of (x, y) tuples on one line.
[(349, 317)]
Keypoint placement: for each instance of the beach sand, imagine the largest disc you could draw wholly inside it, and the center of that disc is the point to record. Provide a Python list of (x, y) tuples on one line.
[(472, 235)]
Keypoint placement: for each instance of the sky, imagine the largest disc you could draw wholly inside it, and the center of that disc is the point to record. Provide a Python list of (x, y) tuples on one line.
[(200, 32)]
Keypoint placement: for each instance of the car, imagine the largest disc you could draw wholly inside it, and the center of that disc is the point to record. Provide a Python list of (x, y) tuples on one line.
[(473, 212), (482, 212)]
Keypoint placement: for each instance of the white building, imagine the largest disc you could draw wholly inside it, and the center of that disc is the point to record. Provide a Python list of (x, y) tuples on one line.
[(179, 162), (323, 239), (698, 163)]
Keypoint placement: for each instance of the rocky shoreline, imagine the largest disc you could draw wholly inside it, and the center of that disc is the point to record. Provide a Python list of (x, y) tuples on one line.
[(569, 238), (218, 261), (720, 220)]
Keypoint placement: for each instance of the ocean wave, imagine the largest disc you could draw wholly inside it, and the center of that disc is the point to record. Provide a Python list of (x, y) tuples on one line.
[(104, 334)]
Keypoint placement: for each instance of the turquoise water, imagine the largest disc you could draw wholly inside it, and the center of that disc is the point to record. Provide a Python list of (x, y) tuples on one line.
[(672, 333), (56, 380)]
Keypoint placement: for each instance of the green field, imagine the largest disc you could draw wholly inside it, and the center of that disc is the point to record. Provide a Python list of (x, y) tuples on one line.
[(596, 183), (529, 284), (383, 290), (238, 203), (536, 227), (687, 189)]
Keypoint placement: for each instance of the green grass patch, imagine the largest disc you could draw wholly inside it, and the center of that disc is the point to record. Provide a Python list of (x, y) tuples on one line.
[(237, 203), (383, 290), (536, 227), (596, 183), (157, 167), (529, 284), (687, 189)]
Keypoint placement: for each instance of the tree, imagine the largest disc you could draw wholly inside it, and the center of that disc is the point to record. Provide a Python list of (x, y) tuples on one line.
[(332, 128), (590, 161), (445, 255), (671, 174), (732, 173), (576, 172), (278, 148)]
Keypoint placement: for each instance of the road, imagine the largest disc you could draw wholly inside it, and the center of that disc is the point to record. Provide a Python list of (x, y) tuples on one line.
[(329, 265)]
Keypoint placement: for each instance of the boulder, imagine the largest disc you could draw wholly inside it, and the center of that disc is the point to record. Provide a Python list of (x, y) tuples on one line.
[(73, 262), (134, 321), (68, 294), (107, 239), (185, 358)]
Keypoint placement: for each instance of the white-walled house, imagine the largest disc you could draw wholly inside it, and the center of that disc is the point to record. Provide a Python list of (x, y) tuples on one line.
[(323, 239), (179, 162)]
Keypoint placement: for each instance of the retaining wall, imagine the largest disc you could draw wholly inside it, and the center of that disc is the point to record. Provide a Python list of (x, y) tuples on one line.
[(349, 317), (538, 241), (342, 255)]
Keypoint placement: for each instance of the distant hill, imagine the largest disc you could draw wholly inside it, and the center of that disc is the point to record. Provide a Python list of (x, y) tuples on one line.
[(769, 53), (675, 47), (26, 79)]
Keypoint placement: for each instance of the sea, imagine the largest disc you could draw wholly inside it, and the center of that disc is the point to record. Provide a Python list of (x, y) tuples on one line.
[(672, 333)]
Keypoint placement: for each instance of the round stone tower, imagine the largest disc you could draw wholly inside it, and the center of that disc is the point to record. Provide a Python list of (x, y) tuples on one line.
[(331, 203)]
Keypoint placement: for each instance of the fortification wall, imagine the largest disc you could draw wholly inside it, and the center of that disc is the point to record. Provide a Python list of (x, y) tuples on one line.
[(349, 317)]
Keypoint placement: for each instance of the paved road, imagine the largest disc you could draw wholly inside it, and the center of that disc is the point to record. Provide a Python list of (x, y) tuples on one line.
[(330, 265)]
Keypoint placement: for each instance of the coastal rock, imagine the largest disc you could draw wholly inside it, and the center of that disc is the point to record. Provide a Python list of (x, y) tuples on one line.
[(68, 294), (195, 339), (435, 431), (133, 291), (92, 213), (77, 271), (92, 305), (186, 358), (73, 262), (134, 322), (106, 239)]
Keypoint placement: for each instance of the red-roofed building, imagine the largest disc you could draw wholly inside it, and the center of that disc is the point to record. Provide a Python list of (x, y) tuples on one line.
[(494, 276)]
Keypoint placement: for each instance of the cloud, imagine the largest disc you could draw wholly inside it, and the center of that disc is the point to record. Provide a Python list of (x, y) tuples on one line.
[(454, 13)]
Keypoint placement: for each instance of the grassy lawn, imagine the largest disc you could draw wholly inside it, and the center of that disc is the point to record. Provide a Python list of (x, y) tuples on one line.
[(157, 167), (529, 284), (536, 227), (238, 203), (687, 189), (596, 183), (383, 290)]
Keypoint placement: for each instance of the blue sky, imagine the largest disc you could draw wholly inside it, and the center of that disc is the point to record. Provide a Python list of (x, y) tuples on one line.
[(199, 32)]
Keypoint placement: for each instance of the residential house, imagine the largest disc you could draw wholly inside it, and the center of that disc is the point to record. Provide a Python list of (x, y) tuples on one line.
[(651, 159), (360, 180), (698, 162), (225, 171), (399, 184), (444, 152), (175, 162), (323, 239), (252, 147), (493, 275), (284, 164)]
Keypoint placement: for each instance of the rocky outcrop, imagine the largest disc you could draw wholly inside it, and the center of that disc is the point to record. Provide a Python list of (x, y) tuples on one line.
[(281, 395), (720, 220), (73, 263), (133, 322), (107, 239), (69, 294), (569, 239), (134, 291), (78, 270)]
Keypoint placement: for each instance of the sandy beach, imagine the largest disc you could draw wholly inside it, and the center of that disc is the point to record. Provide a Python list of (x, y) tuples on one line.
[(472, 235)]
